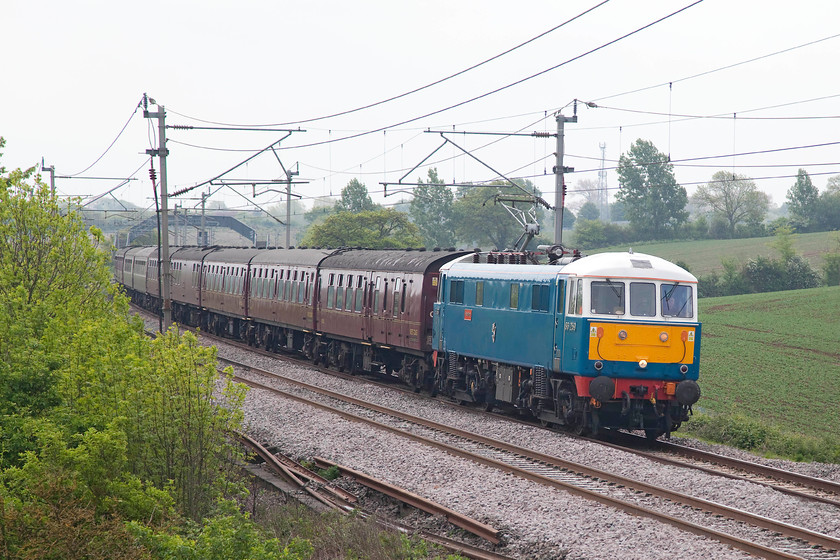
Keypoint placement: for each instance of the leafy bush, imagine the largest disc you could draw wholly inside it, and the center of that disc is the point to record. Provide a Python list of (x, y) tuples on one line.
[(330, 473), (746, 433)]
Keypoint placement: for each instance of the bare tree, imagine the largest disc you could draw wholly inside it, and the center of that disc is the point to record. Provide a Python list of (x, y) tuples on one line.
[(585, 190), (735, 198)]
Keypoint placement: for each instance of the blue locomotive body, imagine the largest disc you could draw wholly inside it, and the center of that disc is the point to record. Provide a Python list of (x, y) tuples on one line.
[(610, 340)]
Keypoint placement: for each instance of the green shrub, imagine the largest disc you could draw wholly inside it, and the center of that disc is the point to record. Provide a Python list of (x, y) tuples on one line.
[(738, 430), (330, 473)]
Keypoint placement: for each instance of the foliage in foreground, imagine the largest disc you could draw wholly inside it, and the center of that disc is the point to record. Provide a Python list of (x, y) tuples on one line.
[(750, 434), (104, 434), (337, 536)]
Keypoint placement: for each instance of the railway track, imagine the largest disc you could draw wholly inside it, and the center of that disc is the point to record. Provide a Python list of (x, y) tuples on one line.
[(788, 482), (769, 538), (345, 502)]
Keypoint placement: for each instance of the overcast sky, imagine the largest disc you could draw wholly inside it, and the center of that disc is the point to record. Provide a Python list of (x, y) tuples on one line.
[(73, 74)]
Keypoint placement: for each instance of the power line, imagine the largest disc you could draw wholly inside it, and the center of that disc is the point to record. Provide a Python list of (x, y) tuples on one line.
[(459, 104), (111, 145), (421, 88), (727, 67), (502, 88), (739, 154), (729, 116)]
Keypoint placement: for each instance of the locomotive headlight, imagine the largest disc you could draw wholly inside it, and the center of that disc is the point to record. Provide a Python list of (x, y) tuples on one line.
[(663, 336), (622, 334), (643, 364)]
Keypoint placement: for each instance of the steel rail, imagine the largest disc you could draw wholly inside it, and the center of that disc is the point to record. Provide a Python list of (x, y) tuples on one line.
[(731, 540), (486, 532), (282, 464), (770, 473)]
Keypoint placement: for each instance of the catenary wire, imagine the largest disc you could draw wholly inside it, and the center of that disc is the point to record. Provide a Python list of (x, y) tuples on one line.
[(718, 69), (470, 100), (111, 145), (418, 89)]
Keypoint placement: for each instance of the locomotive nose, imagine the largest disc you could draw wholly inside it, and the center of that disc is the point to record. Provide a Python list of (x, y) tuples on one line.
[(688, 392)]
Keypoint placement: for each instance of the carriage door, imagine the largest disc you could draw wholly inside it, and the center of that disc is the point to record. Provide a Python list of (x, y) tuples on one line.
[(559, 322), (367, 306)]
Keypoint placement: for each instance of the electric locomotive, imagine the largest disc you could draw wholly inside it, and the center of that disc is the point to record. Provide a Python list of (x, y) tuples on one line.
[(605, 341)]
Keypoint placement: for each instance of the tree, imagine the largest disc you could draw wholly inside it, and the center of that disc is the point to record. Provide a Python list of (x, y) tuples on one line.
[(827, 212), (587, 190), (733, 198), (481, 222), (654, 202), (802, 199), (372, 229), (831, 186), (431, 210), (52, 278), (354, 198), (589, 211)]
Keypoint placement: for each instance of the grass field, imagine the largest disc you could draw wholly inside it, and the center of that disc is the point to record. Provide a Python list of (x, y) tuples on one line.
[(704, 256), (774, 357)]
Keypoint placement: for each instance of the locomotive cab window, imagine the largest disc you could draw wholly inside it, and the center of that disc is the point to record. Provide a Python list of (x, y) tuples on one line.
[(514, 296), (607, 298), (456, 291), (642, 299), (676, 300), (479, 294)]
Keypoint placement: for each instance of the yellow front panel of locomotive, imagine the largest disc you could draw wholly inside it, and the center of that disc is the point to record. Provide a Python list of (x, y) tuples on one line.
[(631, 343)]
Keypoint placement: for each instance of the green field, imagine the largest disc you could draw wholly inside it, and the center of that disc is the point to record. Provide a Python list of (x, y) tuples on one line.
[(774, 357), (704, 256)]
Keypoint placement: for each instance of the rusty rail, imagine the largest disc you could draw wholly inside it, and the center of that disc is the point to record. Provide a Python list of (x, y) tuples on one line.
[(475, 527)]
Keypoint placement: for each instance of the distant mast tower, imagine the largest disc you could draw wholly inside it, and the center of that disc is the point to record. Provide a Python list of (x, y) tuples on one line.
[(603, 194)]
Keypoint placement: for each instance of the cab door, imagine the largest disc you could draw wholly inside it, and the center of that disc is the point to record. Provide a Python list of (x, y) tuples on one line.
[(559, 321)]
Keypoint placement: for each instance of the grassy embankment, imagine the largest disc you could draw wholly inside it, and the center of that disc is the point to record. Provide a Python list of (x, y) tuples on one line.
[(705, 256), (770, 373)]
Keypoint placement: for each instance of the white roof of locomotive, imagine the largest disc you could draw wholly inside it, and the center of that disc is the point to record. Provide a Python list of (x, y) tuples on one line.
[(628, 265), (601, 265)]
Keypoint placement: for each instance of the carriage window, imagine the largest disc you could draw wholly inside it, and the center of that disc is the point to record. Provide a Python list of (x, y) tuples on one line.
[(539, 297), (456, 291), (676, 301), (642, 299), (608, 298), (330, 297), (339, 298), (514, 296), (396, 299), (479, 293), (360, 294)]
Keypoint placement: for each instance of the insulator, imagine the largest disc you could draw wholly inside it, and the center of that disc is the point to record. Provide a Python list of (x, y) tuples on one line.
[(153, 174)]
